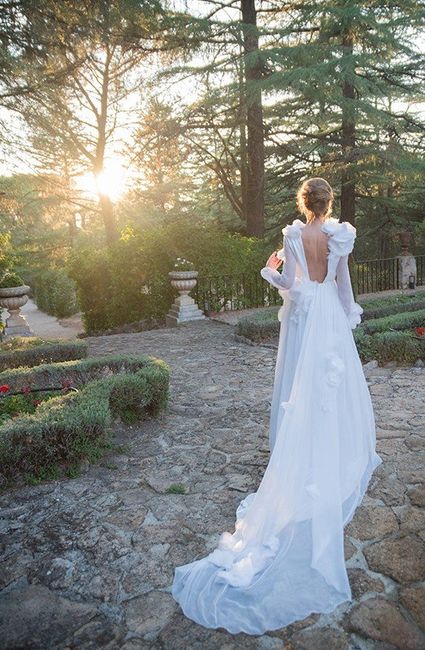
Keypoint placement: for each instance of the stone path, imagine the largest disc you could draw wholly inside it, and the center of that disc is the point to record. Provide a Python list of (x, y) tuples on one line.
[(88, 562), (49, 327)]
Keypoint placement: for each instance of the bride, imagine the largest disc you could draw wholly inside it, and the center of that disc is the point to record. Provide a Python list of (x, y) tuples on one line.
[(285, 559)]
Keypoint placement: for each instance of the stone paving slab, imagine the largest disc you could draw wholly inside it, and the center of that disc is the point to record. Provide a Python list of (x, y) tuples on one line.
[(88, 563)]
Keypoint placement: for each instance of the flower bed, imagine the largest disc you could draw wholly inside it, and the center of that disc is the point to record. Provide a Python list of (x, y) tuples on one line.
[(65, 429)]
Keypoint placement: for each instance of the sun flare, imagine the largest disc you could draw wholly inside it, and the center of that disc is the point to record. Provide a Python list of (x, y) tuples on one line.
[(110, 182)]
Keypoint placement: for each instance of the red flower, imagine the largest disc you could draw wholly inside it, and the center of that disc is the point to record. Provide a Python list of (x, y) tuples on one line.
[(26, 390), (66, 383), (4, 388), (36, 402), (420, 331)]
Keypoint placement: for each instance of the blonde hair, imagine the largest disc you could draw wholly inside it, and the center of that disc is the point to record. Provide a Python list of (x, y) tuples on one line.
[(315, 198)]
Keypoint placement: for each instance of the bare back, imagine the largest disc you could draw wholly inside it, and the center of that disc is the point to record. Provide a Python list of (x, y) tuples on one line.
[(315, 243)]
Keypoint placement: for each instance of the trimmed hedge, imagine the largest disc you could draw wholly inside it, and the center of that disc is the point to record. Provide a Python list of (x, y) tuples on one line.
[(36, 351), (78, 372), (389, 346), (259, 326), (395, 308), (406, 320), (54, 292), (70, 427)]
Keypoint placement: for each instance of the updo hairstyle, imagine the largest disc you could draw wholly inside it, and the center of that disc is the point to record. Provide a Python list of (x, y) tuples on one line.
[(315, 198)]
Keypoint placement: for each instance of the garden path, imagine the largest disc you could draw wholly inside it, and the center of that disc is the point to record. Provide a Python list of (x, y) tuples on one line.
[(49, 327), (89, 562)]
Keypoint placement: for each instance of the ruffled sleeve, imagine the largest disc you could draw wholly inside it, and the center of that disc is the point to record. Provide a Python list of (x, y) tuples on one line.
[(342, 236)]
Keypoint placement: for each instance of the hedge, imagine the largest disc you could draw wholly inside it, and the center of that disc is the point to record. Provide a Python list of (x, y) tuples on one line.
[(406, 320), (54, 292), (393, 308), (40, 352), (259, 326), (73, 426), (389, 346)]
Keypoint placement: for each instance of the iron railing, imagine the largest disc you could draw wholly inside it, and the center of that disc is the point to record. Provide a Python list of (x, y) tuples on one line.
[(229, 292), (371, 276), (420, 269), (246, 290)]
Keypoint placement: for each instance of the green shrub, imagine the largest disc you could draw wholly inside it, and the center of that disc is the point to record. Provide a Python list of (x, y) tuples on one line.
[(33, 351), (386, 306), (54, 292), (260, 326), (78, 372), (402, 321), (11, 279), (129, 281), (70, 427), (389, 346)]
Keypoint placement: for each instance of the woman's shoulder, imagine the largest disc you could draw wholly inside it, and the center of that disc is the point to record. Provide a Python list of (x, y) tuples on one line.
[(293, 229), (342, 235)]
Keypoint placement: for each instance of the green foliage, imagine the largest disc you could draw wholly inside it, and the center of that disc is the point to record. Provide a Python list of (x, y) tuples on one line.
[(13, 405), (401, 321), (5, 253), (259, 326), (176, 488), (130, 280), (54, 292), (32, 351), (68, 428), (378, 308), (402, 347), (11, 279), (78, 372)]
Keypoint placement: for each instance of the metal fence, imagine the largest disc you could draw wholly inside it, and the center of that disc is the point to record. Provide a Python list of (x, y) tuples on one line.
[(420, 269), (228, 292), (371, 276)]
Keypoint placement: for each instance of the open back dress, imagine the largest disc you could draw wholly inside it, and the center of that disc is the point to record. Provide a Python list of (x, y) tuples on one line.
[(285, 559)]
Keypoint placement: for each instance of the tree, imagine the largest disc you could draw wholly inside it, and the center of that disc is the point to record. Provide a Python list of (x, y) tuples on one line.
[(346, 75)]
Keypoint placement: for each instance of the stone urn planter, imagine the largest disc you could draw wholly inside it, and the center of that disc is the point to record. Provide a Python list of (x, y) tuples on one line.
[(404, 237), (184, 308), (12, 299)]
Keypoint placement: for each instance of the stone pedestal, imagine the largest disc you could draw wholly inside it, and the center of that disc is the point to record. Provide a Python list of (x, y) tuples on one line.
[(406, 267), (184, 308)]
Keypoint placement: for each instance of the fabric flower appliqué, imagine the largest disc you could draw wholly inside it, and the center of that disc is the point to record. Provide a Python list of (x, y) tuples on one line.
[(335, 369)]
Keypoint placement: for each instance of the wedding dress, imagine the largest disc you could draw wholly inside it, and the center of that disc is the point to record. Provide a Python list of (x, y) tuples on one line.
[(285, 559)]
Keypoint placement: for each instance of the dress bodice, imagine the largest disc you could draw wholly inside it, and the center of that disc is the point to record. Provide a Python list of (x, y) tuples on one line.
[(341, 237), (293, 282)]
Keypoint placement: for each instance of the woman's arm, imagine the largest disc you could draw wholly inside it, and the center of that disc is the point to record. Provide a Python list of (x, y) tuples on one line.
[(345, 292), (285, 279)]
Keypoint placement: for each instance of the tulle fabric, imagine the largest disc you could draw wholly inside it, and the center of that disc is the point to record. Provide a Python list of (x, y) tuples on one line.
[(285, 559)]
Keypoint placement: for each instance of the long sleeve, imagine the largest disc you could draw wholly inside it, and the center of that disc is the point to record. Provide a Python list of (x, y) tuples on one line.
[(285, 279), (345, 293)]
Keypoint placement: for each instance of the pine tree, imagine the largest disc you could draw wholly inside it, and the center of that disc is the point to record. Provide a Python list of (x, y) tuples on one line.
[(346, 76)]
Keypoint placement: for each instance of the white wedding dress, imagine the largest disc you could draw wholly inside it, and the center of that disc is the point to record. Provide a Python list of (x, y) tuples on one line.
[(285, 559)]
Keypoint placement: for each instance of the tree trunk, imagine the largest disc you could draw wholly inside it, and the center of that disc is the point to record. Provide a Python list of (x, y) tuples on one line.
[(348, 187), (105, 203), (255, 129), (242, 142)]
